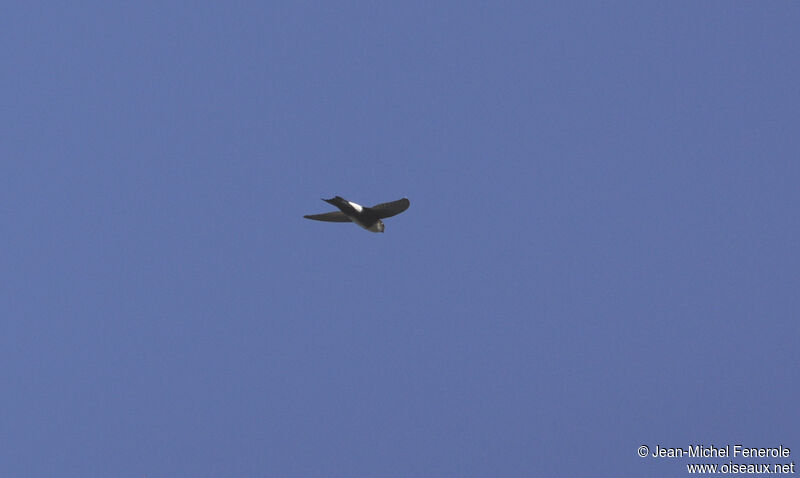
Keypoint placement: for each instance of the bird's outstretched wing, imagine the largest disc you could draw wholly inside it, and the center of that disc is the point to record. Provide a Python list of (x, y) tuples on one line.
[(335, 216), (389, 209)]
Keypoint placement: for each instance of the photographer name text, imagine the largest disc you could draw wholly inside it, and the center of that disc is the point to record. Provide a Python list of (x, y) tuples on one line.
[(726, 451)]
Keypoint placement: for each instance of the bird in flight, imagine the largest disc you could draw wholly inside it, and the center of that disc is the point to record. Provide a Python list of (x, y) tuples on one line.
[(367, 217)]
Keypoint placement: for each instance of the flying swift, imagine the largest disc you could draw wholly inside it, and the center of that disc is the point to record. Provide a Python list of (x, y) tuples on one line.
[(367, 217)]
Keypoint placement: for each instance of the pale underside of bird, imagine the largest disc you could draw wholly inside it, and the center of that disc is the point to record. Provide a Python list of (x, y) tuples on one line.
[(367, 217)]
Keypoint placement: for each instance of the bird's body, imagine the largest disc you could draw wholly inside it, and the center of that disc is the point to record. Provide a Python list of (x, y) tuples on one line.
[(367, 217)]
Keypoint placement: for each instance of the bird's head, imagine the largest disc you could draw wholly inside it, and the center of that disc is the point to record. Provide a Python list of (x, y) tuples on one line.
[(377, 227)]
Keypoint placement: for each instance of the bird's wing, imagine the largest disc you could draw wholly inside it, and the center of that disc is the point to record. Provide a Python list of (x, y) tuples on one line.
[(389, 209), (335, 216)]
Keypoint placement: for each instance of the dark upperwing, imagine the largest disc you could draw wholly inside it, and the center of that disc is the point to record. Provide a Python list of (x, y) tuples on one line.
[(335, 216), (389, 209)]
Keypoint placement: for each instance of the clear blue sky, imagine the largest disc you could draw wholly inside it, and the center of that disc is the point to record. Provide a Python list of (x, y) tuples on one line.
[(601, 250)]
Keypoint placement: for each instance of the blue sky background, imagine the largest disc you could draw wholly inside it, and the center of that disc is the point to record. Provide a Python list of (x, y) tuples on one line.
[(601, 250)]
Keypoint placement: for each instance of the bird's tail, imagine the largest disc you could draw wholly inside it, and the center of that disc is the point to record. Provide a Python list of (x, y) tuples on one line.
[(337, 201)]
